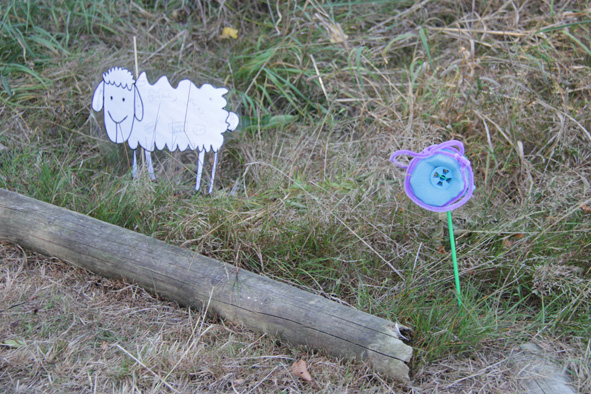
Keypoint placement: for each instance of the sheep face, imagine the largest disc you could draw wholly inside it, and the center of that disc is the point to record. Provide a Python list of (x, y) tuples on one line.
[(119, 110), (120, 101)]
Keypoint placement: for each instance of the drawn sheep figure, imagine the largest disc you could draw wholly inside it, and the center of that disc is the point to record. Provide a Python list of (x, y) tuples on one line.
[(158, 116)]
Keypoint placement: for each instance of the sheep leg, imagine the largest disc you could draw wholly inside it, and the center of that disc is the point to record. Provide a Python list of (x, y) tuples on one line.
[(215, 163), (150, 165), (134, 166), (200, 159)]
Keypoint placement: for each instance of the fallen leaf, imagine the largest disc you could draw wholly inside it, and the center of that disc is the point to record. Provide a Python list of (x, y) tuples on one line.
[(441, 249), (229, 32), (586, 208), (300, 370), (13, 343)]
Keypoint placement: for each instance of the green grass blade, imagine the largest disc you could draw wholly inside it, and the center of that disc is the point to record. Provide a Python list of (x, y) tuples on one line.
[(425, 41)]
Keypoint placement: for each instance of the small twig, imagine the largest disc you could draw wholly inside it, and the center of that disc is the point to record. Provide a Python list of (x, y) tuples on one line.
[(319, 77), (163, 46), (575, 208), (148, 369), (136, 76), (187, 345), (482, 116), (488, 138), (263, 380), (414, 266), (135, 57), (479, 373), (548, 106), (15, 305), (483, 31)]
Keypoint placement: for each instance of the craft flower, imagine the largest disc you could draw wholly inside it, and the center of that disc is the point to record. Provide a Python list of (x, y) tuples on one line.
[(440, 178)]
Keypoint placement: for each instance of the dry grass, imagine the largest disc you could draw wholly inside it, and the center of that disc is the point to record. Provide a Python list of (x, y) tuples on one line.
[(68, 330), (306, 195)]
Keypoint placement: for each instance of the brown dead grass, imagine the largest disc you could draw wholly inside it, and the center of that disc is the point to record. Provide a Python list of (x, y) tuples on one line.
[(66, 329), (514, 93)]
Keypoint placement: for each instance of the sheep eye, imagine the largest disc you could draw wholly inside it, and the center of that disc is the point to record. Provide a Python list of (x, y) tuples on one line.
[(111, 98), (123, 99)]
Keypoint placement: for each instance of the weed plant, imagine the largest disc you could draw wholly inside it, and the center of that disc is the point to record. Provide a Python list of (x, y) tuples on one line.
[(326, 91)]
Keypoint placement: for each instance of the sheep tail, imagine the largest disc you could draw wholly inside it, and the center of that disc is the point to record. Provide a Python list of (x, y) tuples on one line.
[(232, 121)]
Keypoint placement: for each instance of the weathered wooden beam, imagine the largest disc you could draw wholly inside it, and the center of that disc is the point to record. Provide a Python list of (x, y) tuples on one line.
[(537, 373), (260, 303)]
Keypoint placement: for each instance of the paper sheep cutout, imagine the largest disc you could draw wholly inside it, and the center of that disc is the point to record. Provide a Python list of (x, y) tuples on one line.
[(158, 116)]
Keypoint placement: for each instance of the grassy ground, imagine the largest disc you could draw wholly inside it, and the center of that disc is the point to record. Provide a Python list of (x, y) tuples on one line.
[(305, 193)]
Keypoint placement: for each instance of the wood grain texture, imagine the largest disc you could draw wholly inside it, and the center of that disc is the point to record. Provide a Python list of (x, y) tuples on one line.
[(177, 274), (537, 373)]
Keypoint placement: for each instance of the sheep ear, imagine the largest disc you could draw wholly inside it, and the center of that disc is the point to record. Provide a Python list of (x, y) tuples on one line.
[(97, 98), (139, 105)]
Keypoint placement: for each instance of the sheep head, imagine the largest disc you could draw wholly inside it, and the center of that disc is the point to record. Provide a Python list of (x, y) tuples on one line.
[(120, 101)]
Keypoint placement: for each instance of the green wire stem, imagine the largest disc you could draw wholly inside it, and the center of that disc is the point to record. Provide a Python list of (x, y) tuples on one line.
[(452, 241)]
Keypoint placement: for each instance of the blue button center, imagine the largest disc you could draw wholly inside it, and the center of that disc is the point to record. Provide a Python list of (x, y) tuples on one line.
[(441, 177)]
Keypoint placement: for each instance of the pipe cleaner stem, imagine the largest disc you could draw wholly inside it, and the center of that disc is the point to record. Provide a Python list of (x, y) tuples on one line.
[(452, 242)]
